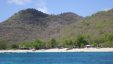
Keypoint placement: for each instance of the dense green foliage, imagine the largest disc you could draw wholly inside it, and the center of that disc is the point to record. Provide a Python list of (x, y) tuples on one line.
[(38, 44), (3, 45), (81, 42), (53, 43), (14, 46)]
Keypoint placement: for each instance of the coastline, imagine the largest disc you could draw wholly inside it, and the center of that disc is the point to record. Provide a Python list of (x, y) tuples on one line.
[(61, 50)]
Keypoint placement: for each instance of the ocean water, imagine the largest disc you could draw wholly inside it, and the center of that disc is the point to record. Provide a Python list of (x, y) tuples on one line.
[(57, 58)]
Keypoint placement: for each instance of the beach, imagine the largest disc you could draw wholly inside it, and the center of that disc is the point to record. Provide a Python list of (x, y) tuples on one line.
[(61, 50)]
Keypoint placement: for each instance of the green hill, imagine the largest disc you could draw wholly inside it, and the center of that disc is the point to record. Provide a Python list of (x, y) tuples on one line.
[(97, 28), (30, 24)]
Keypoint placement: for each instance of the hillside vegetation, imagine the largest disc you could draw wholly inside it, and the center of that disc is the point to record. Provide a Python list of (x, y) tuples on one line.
[(64, 30)]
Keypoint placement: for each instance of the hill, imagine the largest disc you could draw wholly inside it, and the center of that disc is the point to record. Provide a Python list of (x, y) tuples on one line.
[(31, 24), (66, 29), (96, 29)]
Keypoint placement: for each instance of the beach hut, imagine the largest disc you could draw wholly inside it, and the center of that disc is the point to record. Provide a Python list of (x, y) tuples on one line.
[(24, 48), (89, 46)]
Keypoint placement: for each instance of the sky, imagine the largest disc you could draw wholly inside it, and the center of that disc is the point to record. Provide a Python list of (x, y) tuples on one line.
[(80, 7)]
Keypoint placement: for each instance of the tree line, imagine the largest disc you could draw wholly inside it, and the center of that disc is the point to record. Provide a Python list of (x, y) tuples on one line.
[(53, 43), (78, 42)]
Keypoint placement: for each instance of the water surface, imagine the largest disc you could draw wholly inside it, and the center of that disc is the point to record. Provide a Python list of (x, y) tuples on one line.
[(57, 58)]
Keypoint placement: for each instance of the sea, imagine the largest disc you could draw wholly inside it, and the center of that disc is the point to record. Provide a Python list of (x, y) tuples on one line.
[(57, 58)]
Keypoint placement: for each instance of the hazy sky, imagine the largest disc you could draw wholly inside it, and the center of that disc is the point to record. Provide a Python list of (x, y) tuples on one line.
[(80, 7)]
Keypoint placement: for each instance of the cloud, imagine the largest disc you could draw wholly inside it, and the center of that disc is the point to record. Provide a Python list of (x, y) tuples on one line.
[(41, 6), (18, 2), (107, 9)]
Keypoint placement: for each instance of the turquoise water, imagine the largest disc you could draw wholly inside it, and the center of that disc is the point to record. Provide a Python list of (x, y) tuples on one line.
[(57, 58)]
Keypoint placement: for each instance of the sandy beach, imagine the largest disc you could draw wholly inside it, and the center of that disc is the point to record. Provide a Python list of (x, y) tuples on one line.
[(61, 50)]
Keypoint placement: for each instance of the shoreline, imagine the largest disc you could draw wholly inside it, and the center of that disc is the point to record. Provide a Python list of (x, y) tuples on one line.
[(61, 50)]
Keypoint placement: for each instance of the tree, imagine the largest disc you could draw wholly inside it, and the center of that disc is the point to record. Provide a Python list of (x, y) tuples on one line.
[(3, 45), (26, 45), (81, 42), (69, 44), (53, 43), (48, 45), (38, 44), (109, 37), (14, 46)]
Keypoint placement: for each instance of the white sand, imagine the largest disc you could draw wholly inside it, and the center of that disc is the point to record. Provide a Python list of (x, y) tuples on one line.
[(62, 50)]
